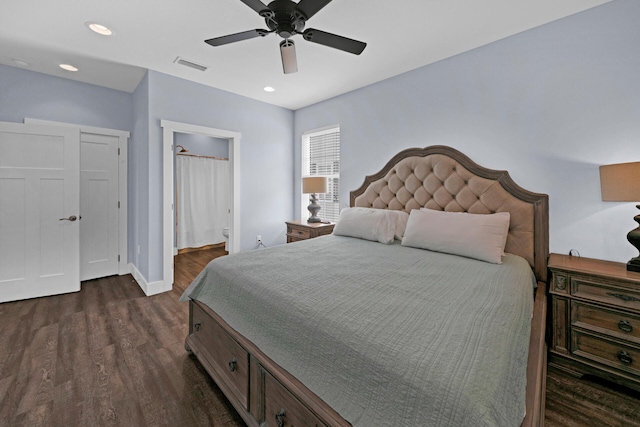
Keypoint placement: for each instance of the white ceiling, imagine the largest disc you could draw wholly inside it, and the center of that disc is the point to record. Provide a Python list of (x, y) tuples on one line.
[(401, 35)]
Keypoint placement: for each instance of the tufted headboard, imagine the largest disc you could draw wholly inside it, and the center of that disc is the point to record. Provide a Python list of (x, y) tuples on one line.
[(442, 178)]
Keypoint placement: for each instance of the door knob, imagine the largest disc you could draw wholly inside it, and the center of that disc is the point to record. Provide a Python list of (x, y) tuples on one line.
[(71, 218)]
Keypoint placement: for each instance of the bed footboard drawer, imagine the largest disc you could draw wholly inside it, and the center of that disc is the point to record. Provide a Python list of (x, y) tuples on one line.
[(229, 360), (283, 409)]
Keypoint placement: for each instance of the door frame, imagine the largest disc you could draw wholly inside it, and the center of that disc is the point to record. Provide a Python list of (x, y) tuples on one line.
[(123, 144), (168, 190)]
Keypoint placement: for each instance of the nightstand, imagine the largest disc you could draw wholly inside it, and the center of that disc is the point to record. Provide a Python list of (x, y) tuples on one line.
[(303, 230), (595, 310)]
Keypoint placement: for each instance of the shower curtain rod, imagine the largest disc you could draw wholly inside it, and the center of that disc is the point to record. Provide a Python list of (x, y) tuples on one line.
[(203, 157)]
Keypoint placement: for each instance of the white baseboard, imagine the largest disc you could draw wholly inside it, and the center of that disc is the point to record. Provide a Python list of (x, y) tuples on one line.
[(149, 289)]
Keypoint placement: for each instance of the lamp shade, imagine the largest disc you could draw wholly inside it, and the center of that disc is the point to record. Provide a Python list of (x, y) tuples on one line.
[(620, 182), (314, 184)]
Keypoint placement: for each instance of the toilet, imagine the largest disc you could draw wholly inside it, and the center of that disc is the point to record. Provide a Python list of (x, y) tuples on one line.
[(225, 233)]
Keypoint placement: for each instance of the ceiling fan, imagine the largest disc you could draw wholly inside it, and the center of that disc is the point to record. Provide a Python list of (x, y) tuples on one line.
[(288, 18)]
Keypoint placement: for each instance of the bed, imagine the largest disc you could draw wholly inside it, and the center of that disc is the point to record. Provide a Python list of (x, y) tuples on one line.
[(345, 330)]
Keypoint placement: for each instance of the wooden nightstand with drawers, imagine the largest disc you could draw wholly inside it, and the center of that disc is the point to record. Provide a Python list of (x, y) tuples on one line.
[(595, 310), (303, 230)]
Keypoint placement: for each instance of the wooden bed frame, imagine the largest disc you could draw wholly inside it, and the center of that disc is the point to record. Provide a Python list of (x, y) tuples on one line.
[(265, 394)]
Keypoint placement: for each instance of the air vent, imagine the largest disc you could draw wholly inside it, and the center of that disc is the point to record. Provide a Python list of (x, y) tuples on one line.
[(190, 64)]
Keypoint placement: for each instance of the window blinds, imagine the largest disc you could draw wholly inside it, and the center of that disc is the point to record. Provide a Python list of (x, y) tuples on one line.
[(321, 157)]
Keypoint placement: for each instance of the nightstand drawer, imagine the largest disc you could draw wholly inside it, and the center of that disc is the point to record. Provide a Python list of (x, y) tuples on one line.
[(300, 233), (616, 355), (602, 293), (300, 230), (609, 322)]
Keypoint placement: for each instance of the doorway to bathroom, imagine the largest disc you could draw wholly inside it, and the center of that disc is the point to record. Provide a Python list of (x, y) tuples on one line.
[(202, 192), (172, 132)]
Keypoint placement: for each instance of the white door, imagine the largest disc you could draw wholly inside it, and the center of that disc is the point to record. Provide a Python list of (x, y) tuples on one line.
[(98, 205), (39, 208)]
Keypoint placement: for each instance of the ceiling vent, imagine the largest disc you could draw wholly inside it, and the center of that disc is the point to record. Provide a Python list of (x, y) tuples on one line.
[(190, 64)]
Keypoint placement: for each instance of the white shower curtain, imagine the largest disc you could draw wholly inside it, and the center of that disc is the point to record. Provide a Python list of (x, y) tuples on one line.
[(203, 195)]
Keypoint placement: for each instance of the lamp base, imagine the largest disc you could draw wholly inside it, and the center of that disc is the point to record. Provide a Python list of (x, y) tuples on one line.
[(634, 238), (313, 208)]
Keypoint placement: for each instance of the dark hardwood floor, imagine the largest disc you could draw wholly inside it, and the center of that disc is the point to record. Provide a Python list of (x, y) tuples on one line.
[(589, 402), (108, 355)]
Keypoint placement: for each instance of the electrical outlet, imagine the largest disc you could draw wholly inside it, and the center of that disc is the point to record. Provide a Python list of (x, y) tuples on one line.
[(258, 239)]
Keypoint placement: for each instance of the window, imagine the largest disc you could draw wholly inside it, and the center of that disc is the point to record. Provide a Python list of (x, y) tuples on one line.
[(321, 157)]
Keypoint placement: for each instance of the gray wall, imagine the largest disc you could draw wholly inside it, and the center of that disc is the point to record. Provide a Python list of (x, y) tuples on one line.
[(266, 151), (138, 184), (549, 105), (266, 155), (25, 93)]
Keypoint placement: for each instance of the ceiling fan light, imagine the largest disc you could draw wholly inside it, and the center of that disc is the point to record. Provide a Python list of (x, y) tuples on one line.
[(288, 53)]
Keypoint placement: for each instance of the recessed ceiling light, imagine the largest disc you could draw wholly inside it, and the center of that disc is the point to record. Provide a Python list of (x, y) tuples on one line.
[(269, 89), (21, 63), (68, 67), (99, 28)]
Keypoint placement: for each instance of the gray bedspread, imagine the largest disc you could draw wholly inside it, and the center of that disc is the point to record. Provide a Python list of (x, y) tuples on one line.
[(385, 334)]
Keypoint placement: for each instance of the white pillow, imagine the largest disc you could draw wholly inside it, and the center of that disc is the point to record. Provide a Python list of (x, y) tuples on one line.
[(482, 237), (506, 223), (378, 225)]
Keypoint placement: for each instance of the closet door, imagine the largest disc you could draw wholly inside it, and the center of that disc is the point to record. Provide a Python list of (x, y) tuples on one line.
[(39, 211), (99, 205)]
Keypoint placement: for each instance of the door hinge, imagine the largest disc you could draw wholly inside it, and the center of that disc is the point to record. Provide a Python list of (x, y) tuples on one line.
[(118, 151), (118, 258), (118, 204)]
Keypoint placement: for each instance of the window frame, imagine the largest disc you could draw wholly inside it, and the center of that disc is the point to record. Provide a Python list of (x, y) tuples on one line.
[(330, 208)]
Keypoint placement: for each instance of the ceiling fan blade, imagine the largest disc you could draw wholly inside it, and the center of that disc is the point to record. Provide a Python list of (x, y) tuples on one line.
[(232, 38), (333, 40), (288, 53), (256, 5), (311, 7)]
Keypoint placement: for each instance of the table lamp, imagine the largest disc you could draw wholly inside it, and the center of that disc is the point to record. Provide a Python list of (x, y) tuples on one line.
[(621, 183), (313, 185)]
